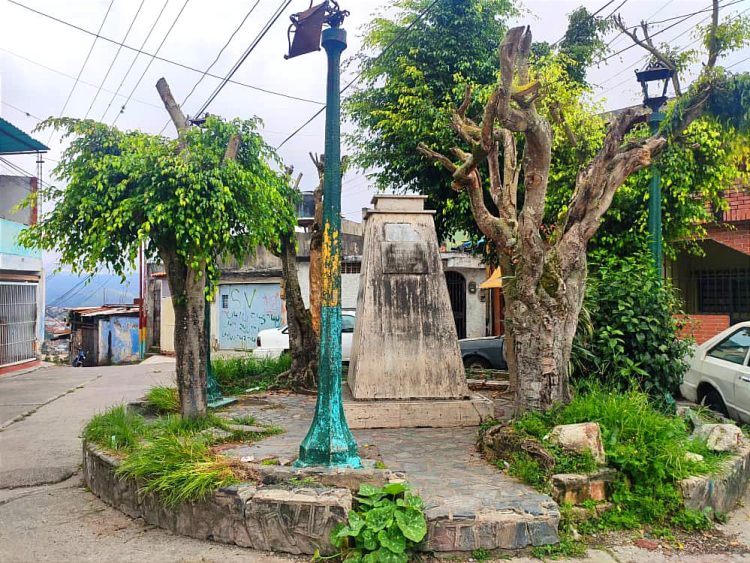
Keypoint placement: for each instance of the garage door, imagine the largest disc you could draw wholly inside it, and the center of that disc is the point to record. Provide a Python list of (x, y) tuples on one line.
[(246, 309)]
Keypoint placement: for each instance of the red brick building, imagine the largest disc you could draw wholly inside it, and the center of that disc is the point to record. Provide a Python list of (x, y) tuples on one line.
[(716, 286)]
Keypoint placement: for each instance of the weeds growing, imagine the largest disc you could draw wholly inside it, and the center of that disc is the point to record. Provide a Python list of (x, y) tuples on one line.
[(163, 399), (237, 375), (116, 429)]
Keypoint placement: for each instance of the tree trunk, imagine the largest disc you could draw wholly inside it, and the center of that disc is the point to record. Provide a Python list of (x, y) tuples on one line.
[(303, 343), (189, 301)]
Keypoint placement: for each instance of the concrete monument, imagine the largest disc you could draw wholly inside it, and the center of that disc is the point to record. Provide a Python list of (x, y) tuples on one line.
[(406, 367)]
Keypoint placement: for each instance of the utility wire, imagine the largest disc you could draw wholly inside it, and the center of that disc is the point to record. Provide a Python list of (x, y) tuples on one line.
[(132, 63), (216, 59), (401, 35), (26, 113), (283, 6), (150, 62), (163, 59), (114, 60), (738, 62), (83, 66), (71, 77)]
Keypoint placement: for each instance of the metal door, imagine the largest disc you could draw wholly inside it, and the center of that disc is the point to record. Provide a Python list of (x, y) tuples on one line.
[(457, 292), (17, 322), (246, 309)]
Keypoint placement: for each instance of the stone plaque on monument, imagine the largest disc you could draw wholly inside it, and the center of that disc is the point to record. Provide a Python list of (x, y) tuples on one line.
[(406, 367)]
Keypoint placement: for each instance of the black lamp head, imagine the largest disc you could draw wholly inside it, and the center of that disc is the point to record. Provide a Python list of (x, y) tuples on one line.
[(306, 28), (658, 74)]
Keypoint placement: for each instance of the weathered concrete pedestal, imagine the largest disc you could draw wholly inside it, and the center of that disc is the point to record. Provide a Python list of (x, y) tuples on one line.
[(406, 368)]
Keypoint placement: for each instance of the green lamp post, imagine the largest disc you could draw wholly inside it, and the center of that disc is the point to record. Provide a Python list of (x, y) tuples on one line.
[(329, 442), (659, 75)]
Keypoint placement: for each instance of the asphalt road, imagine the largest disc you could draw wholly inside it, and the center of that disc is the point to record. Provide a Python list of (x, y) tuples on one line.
[(46, 514)]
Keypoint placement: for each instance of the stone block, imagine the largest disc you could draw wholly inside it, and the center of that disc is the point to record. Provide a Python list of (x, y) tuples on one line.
[(580, 438), (576, 488), (720, 437), (329, 476), (424, 413), (295, 521), (719, 492)]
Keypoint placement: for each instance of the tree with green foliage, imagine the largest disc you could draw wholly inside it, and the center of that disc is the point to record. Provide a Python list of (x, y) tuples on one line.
[(545, 266), (409, 90), (210, 193)]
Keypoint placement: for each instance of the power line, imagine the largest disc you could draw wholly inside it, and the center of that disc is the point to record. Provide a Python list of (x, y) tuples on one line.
[(85, 62), (738, 62), (216, 59), (71, 77), (359, 74), (26, 113), (132, 63), (114, 60), (592, 16), (163, 59), (150, 62), (283, 6)]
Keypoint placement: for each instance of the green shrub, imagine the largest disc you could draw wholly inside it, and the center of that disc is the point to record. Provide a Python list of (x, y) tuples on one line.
[(116, 429), (386, 526), (647, 446), (236, 375), (178, 468), (163, 399), (629, 332)]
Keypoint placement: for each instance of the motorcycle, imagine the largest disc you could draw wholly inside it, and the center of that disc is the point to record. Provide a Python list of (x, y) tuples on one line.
[(79, 359)]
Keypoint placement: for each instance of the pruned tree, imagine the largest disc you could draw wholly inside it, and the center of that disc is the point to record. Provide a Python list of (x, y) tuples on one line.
[(545, 268), (211, 192), (315, 274)]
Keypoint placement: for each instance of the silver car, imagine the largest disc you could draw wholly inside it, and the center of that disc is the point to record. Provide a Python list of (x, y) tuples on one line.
[(719, 373)]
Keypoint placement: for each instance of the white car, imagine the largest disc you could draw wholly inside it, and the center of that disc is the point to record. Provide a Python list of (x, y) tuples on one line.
[(719, 373), (272, 342)]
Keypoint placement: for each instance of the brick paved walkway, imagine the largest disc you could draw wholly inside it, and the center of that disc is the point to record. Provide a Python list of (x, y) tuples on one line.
[(441, 464)]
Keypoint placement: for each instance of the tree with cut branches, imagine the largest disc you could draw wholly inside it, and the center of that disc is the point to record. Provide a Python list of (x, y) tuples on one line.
[(212, 192), (544, 266)]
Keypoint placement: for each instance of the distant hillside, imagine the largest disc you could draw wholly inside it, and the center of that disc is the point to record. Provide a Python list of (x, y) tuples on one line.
[(70, 290)]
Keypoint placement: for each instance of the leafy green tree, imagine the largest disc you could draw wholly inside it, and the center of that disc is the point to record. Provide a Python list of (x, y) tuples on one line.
[(211, 192), (408, 92), (545, 266)]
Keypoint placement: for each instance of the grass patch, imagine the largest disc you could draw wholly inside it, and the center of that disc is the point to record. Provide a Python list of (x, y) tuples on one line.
[(237, 375), (173, 456), (648, 448), (163, 399), (245, 420), (116, 429), (178, 468)]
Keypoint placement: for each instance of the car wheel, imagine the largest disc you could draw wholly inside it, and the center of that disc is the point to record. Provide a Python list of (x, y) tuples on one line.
[(713, 401), (475, 362)]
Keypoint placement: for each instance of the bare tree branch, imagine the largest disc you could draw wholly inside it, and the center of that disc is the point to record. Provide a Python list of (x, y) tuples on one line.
[(172, 107)]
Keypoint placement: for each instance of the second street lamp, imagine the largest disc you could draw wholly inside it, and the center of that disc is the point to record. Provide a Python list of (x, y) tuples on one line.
[(655, 75), (329, 442)]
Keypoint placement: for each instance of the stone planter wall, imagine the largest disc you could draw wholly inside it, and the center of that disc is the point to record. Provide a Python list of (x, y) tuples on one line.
[(722, 491), (297, 521)]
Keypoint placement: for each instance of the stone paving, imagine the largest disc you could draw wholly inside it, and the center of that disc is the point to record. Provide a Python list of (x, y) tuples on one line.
[(441, 464)]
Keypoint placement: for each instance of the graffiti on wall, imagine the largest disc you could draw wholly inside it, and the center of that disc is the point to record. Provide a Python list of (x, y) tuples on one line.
[(246, 309)]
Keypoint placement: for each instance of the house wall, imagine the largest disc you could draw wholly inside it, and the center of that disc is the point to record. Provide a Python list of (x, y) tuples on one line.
[(349, 286), (736, 236), (703, 327), (166, 336), (118, 340), (476, 310), (13, 190)]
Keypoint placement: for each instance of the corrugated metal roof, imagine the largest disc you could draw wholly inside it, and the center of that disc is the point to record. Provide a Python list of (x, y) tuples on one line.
[(15, 141), (105, 311)]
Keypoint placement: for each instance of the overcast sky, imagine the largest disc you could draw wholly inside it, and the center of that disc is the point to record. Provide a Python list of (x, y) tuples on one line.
[(40, 58)]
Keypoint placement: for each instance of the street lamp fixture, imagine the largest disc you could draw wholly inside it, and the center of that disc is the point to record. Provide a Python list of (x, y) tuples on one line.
[(329, 442), (654, 80)]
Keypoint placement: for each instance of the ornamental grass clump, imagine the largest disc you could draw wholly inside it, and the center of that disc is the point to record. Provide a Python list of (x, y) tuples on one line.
[(117, 429), (178, 468), (163, 399)]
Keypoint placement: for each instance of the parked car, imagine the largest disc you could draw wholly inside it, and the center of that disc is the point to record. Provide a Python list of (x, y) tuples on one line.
[(272, 342), (719, 373), (483, 353)]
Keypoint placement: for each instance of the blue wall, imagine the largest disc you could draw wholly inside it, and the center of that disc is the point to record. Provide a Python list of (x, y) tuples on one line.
[(124, 334)]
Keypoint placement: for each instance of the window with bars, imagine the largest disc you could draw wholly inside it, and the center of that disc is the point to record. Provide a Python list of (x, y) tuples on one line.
[(724, 291), (17, 322), (351, 267)]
